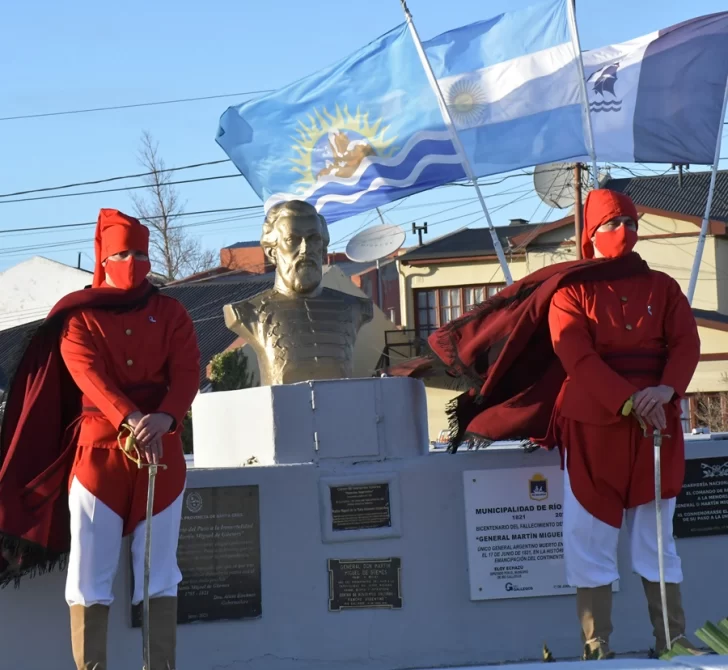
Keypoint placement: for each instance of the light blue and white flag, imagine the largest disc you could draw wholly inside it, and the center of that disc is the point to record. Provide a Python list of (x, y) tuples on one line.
[(512, 85), (658, 98), (363, 132)]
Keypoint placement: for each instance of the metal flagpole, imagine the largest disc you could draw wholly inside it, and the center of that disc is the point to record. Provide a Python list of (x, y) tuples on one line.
[(706, 218), (456, 141), (379, 273), (571, 4)]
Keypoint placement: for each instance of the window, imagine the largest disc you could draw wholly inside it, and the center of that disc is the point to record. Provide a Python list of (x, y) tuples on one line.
[(436, 307)]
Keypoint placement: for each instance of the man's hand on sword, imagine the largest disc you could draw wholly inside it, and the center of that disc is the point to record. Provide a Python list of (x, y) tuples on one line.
[(649, 404), (148, 431)]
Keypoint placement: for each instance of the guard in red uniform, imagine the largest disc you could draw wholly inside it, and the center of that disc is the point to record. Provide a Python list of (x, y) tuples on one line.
[(552, 360), (115, 358), (633, 338), (138, 368)]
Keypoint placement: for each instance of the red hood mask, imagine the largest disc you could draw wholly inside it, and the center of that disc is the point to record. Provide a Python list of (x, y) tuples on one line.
[(603, 205), (117, 232)]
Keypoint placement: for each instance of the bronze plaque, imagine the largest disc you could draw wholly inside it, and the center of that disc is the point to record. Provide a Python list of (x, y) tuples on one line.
[(219, 556), (360, 506), (702, 505), (365, 583)]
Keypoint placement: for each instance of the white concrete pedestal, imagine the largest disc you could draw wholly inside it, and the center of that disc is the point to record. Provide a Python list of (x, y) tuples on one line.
[(362, 419)]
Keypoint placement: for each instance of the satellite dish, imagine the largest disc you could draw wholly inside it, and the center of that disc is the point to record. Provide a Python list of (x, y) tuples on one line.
[(554, 184), (375, 243)]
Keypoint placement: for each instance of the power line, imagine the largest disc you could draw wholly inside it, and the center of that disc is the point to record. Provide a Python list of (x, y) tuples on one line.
[(93, 223), (115, 190), (137, 104), (110, 179)]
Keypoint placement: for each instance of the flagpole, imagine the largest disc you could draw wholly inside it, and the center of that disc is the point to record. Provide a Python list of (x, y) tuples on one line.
[(586, 114), (709, 202), (456, 141)]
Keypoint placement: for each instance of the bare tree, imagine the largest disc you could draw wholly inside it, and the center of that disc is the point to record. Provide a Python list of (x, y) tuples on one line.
[(711, 409), (175, 253)]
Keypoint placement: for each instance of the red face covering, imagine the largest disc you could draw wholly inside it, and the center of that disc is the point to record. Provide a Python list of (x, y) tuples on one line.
[(129, 273), (603, 205), (615, 243)]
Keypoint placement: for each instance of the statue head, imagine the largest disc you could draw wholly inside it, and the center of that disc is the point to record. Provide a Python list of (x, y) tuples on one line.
[(296, 239)]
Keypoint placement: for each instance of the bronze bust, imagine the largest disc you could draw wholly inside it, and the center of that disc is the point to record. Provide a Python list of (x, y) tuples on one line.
[(299, 330)]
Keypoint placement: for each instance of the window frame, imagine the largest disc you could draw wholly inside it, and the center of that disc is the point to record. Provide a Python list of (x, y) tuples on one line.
[(438, 306)]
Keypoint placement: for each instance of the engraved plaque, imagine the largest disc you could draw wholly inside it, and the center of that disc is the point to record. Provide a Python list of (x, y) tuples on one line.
[(360, 506), (702, 505), (219, 556), (365, 583)]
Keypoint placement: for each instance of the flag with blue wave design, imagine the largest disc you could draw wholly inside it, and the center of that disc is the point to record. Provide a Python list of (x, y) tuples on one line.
[(512, 85), (363, 132)]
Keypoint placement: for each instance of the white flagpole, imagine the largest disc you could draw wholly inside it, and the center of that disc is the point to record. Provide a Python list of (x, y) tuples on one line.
[(571, 5), (709, 202), (456, 141)]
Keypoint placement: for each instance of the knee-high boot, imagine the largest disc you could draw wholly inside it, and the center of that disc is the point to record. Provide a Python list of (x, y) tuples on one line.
[(675, 616), (89, 627), (163, 633), (594, 608)]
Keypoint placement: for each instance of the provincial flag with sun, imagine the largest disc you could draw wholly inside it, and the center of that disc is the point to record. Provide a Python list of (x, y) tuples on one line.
[(363, 132)]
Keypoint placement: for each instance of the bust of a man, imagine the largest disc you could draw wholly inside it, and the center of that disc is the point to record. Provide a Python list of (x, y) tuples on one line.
[(299, 330)]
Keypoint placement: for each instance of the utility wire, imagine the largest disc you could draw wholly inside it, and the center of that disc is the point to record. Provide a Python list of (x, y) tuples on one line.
[(109, 179), (114, 190), (137, 104), (93, 223)]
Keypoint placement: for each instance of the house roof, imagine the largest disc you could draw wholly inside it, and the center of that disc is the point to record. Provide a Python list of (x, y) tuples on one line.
[(665, 192), (203, 301), (471, 242)]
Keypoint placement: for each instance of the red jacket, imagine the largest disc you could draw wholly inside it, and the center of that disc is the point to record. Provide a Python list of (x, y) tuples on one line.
[(614, 338)]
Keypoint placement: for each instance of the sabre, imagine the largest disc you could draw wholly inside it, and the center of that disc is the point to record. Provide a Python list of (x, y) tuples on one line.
[(132, 452), (657, 437), (657, 444)]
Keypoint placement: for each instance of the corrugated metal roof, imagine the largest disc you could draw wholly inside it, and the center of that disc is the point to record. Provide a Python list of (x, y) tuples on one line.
[(665, 192)]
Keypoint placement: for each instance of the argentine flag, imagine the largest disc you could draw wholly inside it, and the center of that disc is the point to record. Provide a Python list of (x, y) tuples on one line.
[(513, 87), (358, 134), (659, 98)]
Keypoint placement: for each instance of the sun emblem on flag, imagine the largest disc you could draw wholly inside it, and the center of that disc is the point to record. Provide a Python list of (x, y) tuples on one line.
[(466, 101), (336, 144)]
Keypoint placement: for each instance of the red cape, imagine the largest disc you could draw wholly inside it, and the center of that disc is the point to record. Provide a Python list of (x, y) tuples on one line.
[(38, 441), (502, 351)]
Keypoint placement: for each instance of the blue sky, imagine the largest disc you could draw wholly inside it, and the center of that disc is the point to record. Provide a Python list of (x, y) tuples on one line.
[(83, 54)]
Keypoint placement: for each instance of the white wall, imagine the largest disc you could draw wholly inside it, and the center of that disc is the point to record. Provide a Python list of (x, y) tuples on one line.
[(29, 289), (438, 625)]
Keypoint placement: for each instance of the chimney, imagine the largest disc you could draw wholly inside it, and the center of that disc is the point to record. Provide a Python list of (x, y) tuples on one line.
[(518, 222)]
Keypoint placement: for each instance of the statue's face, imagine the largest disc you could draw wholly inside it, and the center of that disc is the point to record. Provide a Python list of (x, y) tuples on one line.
[(299, 253)]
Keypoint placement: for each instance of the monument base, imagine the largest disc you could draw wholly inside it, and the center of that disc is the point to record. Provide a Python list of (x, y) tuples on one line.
[(345, 419)]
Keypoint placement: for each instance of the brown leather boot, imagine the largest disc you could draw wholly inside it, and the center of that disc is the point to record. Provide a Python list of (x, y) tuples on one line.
[(594, 608), (88, 636), (675, 617), (162, 633)]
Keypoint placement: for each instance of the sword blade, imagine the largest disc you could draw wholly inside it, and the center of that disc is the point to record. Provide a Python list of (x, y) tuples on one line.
[(657, 443), (148, 562)]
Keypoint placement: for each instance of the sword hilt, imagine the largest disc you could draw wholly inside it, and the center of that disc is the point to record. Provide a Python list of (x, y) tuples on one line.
[(131, 451)]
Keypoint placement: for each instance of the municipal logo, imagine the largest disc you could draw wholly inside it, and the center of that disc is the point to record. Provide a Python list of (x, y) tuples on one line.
[(603, 82), (194, 502), (538, 487)]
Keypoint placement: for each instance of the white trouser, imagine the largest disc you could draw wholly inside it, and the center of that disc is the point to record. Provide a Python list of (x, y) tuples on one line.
[(96, 538), (590, 545)]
